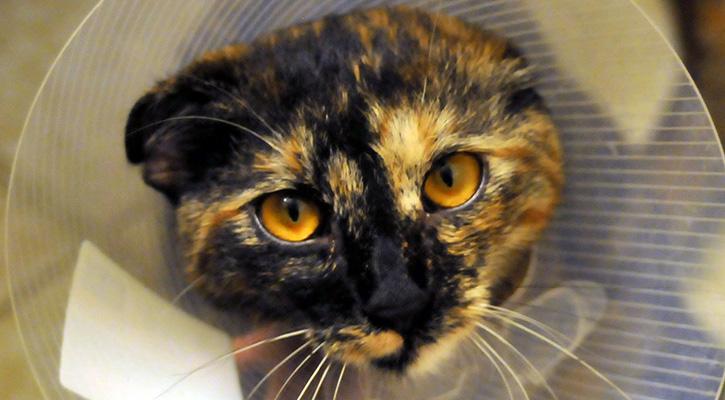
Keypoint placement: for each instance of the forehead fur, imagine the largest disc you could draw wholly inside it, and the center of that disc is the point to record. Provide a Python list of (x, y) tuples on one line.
[(402, 82), (407, 139)]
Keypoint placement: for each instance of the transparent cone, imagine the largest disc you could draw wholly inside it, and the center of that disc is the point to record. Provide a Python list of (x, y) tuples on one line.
[(634, 239)]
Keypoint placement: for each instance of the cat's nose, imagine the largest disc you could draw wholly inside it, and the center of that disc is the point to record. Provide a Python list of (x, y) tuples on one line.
[(397, 304), (397, 300)]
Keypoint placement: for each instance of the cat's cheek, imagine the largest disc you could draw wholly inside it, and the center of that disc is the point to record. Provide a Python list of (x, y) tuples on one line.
[(222, 279), (321, 292), (234, 268)]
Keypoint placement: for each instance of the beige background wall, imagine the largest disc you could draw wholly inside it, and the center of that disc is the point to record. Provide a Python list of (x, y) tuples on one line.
[(32, 32)]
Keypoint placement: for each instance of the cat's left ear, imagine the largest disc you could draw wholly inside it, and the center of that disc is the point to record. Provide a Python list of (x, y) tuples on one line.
[(176, 149)]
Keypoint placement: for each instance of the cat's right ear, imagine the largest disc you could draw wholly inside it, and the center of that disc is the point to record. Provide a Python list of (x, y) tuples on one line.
[(174, 148)]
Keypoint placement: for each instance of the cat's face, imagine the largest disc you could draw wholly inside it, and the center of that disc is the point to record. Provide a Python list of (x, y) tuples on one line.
[(377, 177)]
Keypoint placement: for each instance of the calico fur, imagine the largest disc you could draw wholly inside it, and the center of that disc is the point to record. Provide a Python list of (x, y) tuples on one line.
[(353, 111)]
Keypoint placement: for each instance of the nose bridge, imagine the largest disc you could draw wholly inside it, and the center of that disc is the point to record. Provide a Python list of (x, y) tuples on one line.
[(408, 202), (399, 252), (387, 257), (396, 299)]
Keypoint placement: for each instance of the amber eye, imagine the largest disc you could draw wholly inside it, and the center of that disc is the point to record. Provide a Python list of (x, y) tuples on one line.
[(289, 216), (453, 181)]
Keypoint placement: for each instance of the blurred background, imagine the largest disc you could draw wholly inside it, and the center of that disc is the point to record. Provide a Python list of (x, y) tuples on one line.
[(32, 32), (701, 29)]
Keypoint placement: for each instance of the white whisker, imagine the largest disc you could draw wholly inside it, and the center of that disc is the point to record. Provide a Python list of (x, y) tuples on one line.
[(186, 290), (521, 356), (430, 52), (495, 365), (289, 378), (270, 340), (452, 70), (312, 378), (571, 355), (221, 121), (563, 338), (276, 367), (503, 362), (555, 311), (240, 101), (496, 310), (231, 354), (322, 380), (339, 381)]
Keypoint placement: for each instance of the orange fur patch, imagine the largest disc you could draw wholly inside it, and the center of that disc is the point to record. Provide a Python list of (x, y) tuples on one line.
[(367, 346)]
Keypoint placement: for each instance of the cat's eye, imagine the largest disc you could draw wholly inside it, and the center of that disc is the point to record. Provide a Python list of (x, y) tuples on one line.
[(289, 216), (453, 180)]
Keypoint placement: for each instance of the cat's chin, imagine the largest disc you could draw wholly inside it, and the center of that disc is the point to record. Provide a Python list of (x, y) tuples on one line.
[(432, 357), (386, 352)]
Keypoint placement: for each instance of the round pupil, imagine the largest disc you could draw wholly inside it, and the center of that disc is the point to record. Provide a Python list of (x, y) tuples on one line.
[(293, 208), (446, 174)]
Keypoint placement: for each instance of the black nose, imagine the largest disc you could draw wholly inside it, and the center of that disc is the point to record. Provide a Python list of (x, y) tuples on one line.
[(395, 305), (397, 300)]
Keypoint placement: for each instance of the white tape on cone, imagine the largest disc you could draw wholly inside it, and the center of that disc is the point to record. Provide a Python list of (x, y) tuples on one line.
[(123, 342)]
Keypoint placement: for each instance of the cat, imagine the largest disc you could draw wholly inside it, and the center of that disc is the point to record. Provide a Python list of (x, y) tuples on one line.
[(376, 179)]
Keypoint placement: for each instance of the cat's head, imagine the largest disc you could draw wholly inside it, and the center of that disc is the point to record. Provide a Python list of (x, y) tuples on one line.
[(377, 177)]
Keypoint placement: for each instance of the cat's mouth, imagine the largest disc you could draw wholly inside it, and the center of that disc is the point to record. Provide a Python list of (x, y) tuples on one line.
[(388, 350), (355, 346)]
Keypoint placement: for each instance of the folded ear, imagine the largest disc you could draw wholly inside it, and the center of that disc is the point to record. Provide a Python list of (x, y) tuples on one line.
[(176, 149)]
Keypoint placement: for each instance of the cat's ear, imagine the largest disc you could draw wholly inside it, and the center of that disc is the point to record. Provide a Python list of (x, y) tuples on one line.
[(175, 148)]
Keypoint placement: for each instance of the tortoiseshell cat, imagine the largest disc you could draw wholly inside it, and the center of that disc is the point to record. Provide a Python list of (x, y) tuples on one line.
[(377, 178)]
